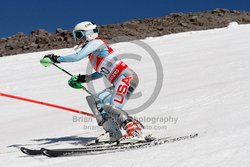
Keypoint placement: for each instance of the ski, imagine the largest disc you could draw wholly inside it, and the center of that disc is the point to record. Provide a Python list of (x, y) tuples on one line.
[(102, 148), (109, 148), (31, 151), (89, 145)]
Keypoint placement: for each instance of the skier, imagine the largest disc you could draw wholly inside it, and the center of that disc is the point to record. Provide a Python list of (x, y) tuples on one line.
[(106, 105)]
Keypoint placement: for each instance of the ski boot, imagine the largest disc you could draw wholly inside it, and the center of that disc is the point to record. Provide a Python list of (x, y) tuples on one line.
[(112, 132), (134, 132)]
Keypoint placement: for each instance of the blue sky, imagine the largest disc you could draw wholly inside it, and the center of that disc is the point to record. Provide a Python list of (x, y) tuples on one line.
[(27, 15)]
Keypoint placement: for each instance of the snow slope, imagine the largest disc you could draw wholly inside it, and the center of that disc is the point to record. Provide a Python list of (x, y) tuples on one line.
[(205, 90)]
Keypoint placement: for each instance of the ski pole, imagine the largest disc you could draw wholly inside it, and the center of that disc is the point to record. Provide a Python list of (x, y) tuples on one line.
[(72, 75), (62, 69)]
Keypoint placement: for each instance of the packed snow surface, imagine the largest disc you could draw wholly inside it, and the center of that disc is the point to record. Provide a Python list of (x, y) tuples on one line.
[(206, 89)]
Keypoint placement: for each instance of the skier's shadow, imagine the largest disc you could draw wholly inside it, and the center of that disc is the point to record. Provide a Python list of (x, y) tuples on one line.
[(75, 140)]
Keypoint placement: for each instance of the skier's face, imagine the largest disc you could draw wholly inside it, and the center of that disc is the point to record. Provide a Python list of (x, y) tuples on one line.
[(81, 41)]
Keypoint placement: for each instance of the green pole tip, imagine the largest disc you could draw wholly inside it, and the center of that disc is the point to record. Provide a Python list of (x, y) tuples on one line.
[(46, 62)]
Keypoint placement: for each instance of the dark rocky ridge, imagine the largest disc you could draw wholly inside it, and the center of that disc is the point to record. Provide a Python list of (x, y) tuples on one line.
[(40, 40)]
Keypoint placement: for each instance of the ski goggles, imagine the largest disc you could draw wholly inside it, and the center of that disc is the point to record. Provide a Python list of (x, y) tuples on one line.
[(78, 34)]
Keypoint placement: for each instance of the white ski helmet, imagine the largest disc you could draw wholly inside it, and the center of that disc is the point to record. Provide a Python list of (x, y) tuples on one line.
[(85, 29)]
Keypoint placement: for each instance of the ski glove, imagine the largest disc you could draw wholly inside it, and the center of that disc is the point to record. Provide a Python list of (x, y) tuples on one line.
[(83, 78), (52, 57), (75, 81), (49, 59)]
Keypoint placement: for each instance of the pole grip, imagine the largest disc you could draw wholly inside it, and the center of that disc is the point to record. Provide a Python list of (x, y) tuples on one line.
[(72, 75)]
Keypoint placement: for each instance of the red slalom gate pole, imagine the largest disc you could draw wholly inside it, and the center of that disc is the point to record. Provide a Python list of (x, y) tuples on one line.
[(46, 104)]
